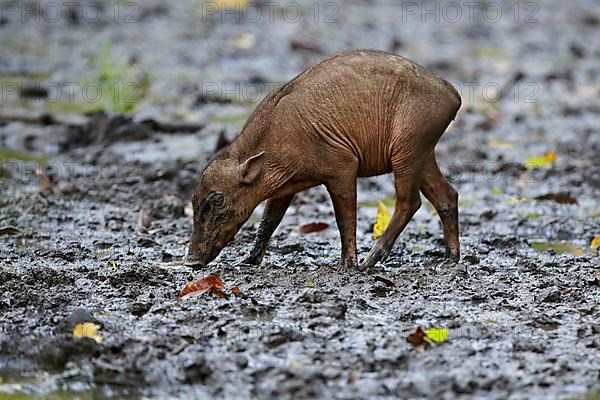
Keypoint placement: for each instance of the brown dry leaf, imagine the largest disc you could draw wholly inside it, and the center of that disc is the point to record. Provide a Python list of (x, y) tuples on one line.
[(218, 292), (557, 198), (44, 182), (418, 339), (313, 227), (201, 286), (236, 291)]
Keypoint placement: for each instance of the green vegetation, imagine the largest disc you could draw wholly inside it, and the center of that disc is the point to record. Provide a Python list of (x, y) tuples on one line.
[(7, 155), (234, 119), (558, 247), (123, 87)]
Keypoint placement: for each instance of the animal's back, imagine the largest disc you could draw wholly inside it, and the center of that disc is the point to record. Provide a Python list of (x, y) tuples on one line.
[(364, 102)]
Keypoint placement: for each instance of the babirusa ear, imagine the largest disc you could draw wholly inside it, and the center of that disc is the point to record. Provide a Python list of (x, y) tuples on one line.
[(250, 169)]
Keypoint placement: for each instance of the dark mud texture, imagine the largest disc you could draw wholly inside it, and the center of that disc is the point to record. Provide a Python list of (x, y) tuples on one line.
[(99, 239)]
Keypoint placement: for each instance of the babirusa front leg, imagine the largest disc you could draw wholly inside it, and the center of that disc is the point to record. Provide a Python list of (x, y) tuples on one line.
[(273, 214)]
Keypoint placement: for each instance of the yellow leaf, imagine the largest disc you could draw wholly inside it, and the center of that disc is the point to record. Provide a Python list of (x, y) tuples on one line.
[(595, 243), (87, 330), (381, 221), (438, 335), (546, 161)]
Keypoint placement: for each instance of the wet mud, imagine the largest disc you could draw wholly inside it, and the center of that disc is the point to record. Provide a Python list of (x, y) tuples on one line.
[(95, 218)]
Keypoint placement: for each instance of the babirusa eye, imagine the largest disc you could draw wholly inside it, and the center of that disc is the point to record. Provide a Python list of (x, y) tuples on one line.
[(219, 201), (216, 201)]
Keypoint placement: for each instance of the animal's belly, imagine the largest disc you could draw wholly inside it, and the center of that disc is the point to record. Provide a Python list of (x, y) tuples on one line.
[(373, 165)]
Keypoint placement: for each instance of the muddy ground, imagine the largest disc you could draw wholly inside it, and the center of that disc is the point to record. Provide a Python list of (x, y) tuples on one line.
[(97, 233)]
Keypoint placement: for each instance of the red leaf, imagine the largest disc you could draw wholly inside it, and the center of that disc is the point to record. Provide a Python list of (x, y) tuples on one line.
[(418, 339), (236, 291), (313, 227), (200, 286), (219, 293)]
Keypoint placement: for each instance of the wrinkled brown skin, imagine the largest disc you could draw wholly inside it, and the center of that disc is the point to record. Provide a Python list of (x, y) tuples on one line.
[(355, 114)]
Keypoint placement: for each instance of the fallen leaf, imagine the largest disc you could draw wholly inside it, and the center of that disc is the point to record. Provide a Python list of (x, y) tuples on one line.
[(557, 198), (9, 230), (437, 335), (201, 286), (313, 227), (381, 221), (418, 339), (87, 330), (558, 247), (595, 243), (236, 291), (546, 161), (43, 181), (218, 292)]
